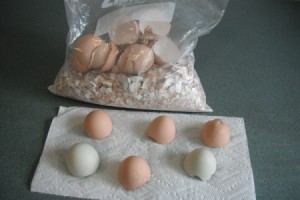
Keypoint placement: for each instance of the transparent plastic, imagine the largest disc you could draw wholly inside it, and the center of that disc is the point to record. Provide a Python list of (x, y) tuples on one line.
[(136, 53)]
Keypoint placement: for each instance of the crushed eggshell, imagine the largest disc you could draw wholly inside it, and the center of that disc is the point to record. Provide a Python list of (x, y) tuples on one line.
[(175, 87)]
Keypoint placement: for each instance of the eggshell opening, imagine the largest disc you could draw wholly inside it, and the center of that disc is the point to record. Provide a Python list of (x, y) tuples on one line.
[(124, 66), (165, 51), (97, 125), (133, 172), (162, 130), (215, 133)]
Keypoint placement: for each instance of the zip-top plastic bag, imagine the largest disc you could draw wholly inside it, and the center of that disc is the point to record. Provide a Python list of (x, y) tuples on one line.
[(136, 53)]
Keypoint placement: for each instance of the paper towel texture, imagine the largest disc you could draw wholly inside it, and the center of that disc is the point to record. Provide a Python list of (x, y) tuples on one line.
[(233, 178)]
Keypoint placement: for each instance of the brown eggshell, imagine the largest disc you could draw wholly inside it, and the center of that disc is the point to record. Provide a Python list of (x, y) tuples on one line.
[(159, 61), (112, 57), (97, 125), (83, 47), (75, 63), (124, 65), (100, 55), (133, 172), (215, 133), (137, 58), (124, 33), (162, 130)]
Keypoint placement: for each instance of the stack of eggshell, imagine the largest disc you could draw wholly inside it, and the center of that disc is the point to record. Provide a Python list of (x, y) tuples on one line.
[(134, 47)]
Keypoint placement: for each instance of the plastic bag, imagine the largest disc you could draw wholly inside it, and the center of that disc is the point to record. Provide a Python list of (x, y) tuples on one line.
[(136, 53)]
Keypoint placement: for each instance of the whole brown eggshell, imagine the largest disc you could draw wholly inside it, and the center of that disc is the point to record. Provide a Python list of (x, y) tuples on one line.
[(215, 133), (97, 125), (165, 51), (133, 172), (162, 130)]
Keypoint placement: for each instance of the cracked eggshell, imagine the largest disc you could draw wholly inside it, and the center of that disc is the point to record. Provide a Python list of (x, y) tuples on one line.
[(97, 125), (133, 172), (100, 55), (162, 130), (136, 58), (82, 160), (83, 47), (200, 163), (165, 51), (112, 57), (77, 65), (124, 32), (215, 133)]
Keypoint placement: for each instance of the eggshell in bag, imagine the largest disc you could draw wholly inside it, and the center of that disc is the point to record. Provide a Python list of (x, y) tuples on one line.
[(165, 51), (137, 58), (83, 47), (112, 57), (159, 28), (124, 32), (133, 172), (77, 65)]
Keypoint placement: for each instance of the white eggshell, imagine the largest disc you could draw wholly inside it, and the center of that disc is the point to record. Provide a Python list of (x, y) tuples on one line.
[(165, 51), (200, 163), (124, 32), (82, 160)]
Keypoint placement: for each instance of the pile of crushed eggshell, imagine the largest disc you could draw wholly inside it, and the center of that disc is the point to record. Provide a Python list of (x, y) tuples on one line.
[(83, 160)]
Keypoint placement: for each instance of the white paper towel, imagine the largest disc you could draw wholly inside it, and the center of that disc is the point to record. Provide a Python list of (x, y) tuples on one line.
[(233, 178)]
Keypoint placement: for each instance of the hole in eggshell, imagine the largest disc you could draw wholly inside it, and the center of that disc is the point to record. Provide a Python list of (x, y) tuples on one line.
[(197, 177)]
